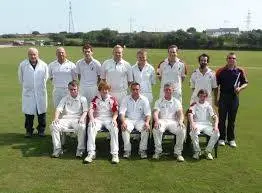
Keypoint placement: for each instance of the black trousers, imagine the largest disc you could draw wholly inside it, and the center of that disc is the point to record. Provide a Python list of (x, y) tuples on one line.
[(29, 122), (227, 109)]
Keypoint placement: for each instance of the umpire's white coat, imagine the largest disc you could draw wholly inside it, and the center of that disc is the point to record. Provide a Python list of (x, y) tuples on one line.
[(34, 94)]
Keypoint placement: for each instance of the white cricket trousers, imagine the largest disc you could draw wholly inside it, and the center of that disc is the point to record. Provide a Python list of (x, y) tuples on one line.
[(139, 126), (58, 94), (89, 92), (208, 130), (96, 126), (171, 126), (68, 125)]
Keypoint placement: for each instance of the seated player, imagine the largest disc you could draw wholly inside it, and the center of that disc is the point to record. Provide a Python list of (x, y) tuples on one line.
[(200, 116)]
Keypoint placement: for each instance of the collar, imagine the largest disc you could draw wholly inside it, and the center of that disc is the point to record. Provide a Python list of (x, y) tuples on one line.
[(62, 63), (118, 63), (203, 104), (100, 97), (75, 99), (208, 70), (90, 61)]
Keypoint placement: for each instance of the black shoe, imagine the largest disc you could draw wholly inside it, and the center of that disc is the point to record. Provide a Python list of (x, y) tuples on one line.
[(28, 134), (41, 134)]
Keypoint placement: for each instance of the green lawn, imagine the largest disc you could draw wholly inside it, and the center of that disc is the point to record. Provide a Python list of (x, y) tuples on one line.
[(26, 165)]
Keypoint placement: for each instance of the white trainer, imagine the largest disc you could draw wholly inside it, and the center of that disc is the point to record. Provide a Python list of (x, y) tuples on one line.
[(180, 158), (80, 153), (143, 154), (127, 154), (209, 156), (157, 156), (221, 142), (89, 158), (115, 159), (196, 155), (232, 143), (57, 153)]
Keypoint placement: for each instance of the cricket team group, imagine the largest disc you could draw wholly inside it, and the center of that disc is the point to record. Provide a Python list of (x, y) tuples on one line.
[(117, 96)]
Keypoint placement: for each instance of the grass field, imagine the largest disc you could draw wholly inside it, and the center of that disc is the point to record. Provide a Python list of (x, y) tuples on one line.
[(26, 165)]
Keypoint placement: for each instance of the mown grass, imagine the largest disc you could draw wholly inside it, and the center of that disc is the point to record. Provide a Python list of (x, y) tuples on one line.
[(26, 165)]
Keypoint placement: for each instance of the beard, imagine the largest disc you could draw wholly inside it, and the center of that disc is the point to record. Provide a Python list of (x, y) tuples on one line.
[(202, 66)]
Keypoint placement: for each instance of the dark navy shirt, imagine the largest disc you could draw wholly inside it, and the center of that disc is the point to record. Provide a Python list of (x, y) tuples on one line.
[(227, 79)]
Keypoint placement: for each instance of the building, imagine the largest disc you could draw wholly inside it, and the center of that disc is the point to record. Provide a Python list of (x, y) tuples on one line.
[(222, 31)]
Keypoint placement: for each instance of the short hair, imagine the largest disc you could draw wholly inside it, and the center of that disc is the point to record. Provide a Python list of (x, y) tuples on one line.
[(172, 46), (73, 83), (169, 84), (230, 54), (202, 91), (87, 46), (117, 46), (142, 52), (134, 84), (32, 49), (203, 55), (103, 86)]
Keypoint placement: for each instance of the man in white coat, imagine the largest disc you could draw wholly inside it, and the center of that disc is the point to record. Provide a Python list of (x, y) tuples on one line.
[(61, 72), (33, 74)]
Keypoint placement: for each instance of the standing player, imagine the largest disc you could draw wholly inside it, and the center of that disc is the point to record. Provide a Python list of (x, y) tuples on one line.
[(88, 70), (144, 74), (61, 72), (172, 70), (33, 74), (200, 115), (231, 81), (118, 73), (203, 78)]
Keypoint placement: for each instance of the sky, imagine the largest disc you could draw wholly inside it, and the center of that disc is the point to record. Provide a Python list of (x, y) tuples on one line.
[(26, 16)]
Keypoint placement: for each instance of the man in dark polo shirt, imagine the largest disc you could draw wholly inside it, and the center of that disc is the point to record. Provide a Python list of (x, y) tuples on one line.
[(231, 80)]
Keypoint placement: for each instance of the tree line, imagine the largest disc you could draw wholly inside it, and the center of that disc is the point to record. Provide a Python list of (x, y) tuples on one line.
[(189, 39)]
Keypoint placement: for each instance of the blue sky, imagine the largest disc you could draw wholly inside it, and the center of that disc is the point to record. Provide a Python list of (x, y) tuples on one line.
[(25, 16)]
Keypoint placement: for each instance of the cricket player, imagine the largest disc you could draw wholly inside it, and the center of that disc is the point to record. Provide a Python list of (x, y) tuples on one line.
[(200, 116), (118, 73), (168, 115), (88, 70), (144, 74), (61, 72), (172, 70), (73, 108), (135, 113), (203, 78), (103, 112)]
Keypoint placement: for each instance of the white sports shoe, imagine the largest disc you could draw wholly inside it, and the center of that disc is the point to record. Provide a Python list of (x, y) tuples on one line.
[(80, 153), (57, 153), (127, 154), (209, 156), (221, 142), (156, 156), (180, 158), (232, 143), (89, 158), (143, 154), (196, 155), (115, 159)]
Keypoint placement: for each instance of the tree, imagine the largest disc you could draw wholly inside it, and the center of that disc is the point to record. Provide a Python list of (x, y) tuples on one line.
[(58, 38), (35, 33), (191, 30)]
